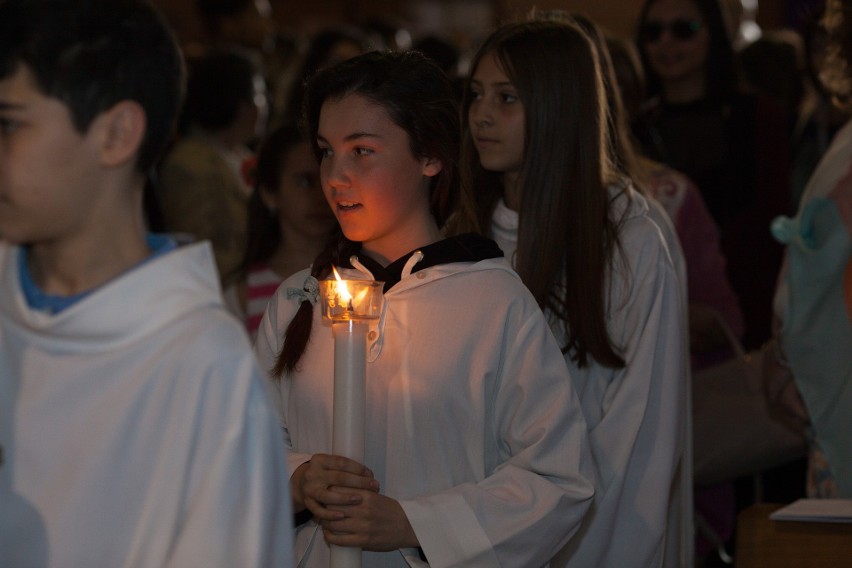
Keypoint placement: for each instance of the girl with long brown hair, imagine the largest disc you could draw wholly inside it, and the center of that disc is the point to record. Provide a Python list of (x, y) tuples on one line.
[(535, 151)]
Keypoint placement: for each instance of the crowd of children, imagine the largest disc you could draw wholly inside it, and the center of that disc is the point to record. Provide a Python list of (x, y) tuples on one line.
[(166, 398)]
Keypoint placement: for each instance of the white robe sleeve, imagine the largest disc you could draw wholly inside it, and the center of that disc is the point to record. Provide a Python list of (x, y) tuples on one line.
[(635, 414), (239, 511), (279, 312), (539, 484)]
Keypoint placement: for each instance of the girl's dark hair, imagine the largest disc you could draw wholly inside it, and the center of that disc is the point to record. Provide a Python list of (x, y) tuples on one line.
[(317, 56), (720, 68), (566, 236), (264, 233), (417, 97), (620, 144)]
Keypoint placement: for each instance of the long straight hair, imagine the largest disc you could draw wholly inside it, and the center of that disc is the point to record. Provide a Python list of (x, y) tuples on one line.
[(566, 234), (418, 97)]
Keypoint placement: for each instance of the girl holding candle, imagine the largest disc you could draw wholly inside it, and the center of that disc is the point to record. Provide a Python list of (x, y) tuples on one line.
[(476, 447), (581, 238)]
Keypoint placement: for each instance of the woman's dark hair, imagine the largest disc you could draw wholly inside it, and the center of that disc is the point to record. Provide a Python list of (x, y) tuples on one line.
[(566, 237), (418, 97), (720, 68)]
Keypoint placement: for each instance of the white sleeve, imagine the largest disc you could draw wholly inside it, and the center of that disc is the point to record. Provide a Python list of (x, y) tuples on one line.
[(636, 416), (538, 486), (270, 338), (238, 502)]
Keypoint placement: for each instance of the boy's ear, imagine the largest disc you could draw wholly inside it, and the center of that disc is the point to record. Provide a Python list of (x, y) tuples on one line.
[(122, 129), (432, 167)]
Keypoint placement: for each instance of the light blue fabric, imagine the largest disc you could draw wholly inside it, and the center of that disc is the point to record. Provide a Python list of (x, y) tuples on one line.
[(53, 304), (309, 292), (817, 332)]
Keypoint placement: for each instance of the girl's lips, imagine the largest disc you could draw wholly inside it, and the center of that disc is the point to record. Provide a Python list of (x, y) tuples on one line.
[(481, 142), (347, 206)]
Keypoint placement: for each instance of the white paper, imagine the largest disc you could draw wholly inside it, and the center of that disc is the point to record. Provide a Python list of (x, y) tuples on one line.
[(816, 510)]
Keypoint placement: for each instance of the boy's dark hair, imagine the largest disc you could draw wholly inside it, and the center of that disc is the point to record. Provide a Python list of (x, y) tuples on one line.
[(93, 54)]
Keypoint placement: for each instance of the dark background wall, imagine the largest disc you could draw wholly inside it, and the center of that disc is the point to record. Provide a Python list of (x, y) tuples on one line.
[(464, 20)]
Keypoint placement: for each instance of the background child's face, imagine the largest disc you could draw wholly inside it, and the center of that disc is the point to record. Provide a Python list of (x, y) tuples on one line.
[(298, 200), (496, 118), (377, 189), (49, 184)]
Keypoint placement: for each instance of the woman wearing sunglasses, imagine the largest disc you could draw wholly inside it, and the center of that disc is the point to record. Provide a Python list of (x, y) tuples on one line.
[(734, 145)]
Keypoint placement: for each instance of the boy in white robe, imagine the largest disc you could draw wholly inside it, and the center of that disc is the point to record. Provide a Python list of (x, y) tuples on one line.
[(134, 426)]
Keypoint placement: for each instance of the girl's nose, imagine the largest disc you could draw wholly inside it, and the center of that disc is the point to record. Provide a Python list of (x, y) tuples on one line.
[(480, 114), (333, 172)]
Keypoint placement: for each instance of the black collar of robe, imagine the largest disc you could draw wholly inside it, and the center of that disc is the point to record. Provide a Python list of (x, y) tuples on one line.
[(468, 247)]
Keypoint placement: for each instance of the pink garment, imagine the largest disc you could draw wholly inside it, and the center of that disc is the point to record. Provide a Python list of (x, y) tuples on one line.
[(708, 284), (707, 279)]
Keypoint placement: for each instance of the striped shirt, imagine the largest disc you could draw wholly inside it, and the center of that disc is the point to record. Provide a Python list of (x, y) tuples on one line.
[(261, 284)]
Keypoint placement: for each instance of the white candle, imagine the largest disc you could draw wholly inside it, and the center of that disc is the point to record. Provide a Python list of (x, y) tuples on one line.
[(350, 370), (349, 305)]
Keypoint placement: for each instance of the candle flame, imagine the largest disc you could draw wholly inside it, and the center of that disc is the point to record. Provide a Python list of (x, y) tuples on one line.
[(343, 291)]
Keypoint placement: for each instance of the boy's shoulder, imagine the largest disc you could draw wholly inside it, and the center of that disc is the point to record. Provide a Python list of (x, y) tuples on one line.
[(175, 295)]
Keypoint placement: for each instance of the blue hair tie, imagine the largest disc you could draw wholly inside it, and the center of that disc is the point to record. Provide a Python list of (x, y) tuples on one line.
[(309, 292)]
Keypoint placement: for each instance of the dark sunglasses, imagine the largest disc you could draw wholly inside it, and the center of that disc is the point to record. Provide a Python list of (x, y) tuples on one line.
[(680, 29)]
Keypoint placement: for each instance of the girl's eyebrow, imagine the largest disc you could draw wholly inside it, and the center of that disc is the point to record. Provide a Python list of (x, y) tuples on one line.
[(495, 84), (351, 137), (10, 106)]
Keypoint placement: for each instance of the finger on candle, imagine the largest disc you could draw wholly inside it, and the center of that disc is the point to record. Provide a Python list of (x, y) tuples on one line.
[(336, 495), (321, 513), (341, 463), (351, 498), (350, 480)]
